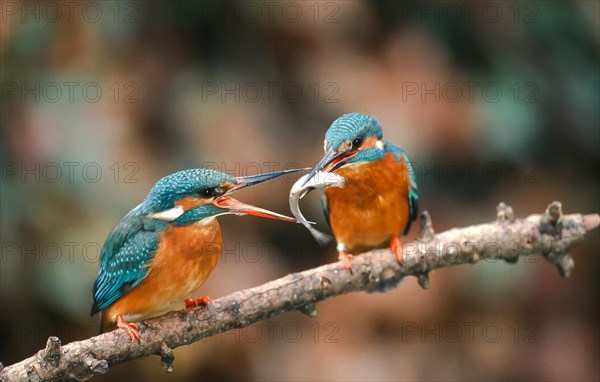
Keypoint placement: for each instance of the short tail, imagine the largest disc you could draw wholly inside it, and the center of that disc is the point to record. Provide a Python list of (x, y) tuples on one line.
[(105, 324), (322, 238)]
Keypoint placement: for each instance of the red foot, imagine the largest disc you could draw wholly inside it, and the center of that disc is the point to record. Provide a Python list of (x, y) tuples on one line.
[(130, 328), (345, 257), (396, 246), (191, 303)]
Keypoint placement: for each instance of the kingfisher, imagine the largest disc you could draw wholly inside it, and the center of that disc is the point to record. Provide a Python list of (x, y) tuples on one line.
[(379, 200), (168, 245)]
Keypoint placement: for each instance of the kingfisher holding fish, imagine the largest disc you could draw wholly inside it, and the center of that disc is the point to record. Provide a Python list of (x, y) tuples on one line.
[(379, 199), (167, 246)]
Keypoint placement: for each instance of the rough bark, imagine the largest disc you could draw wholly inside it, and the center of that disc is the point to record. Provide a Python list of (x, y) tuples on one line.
[(551, 234)]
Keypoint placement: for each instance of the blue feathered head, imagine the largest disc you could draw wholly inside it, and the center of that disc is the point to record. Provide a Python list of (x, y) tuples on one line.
[(191, 195), (353, 137)]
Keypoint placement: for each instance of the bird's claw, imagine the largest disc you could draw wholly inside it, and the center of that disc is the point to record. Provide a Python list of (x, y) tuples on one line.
[(130, 327), (193, 303), (344, 257), (396, 247)]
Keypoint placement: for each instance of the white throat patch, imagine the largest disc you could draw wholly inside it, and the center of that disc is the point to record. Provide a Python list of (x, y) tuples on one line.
[(167, 215)]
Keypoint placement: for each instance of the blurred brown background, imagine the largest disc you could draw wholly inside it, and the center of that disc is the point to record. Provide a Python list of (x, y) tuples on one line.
[(494, 101)]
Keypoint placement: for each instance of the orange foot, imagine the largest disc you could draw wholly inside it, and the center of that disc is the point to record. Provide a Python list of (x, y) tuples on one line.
[(130, 328), (191, 303), (344, 257), (396, 246)]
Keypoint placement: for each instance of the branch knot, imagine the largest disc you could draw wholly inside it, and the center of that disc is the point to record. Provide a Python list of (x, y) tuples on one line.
[(552, 220), (504, 213), (52, 351), (166, 357), (427, 233)]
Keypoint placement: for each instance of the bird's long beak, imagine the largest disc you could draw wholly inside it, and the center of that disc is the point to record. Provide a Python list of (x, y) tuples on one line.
[(250, 180), (236, 207), (329, 162)]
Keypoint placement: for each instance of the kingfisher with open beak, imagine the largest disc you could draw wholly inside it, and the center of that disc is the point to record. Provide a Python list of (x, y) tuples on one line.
[(379, 199), (167, 246)]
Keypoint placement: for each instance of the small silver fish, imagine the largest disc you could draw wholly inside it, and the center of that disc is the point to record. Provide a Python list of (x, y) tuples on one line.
[(299, 189)]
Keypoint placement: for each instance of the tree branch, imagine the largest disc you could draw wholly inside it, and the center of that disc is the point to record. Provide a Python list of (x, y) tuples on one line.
[(550, 234)]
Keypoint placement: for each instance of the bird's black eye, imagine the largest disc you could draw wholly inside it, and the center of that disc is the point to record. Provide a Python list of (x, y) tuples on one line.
[(207, 192), (212, 192), (357, 143)]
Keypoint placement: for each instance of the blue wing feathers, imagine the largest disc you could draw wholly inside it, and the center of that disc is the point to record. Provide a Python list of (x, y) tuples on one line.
[(325, 208), (124, 257), (413, 194)]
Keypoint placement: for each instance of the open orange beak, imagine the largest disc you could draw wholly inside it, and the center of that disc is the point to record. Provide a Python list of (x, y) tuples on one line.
[(330, 161), (239, 208), (236, 207)]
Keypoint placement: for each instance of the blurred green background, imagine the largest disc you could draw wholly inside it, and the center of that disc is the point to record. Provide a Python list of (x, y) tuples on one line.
[(494, 101)]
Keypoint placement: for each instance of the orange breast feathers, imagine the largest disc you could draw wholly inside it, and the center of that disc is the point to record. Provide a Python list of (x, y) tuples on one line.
[(373, 204), (184, 259)]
